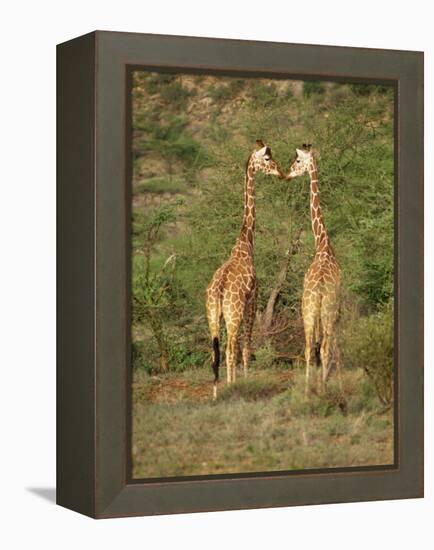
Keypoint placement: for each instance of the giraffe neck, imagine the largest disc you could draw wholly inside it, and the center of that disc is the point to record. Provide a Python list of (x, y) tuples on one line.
[(248, 227), (318, 226)]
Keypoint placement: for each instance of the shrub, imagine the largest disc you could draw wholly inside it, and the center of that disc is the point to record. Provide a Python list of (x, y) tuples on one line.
[(225, 92), (175, 94), (288, 94), (368, 344), (181, 359), (313, 88), (161, 185), (265, 356), (141, 360), (156, 81), (368, 89), (250, 389), (317, 405), (263, 94)]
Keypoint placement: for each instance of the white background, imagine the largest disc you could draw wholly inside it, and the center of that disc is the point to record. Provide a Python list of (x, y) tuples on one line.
[(29, 32)]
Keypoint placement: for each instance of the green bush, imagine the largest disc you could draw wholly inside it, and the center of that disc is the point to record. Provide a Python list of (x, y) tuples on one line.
[(249, 389), (288, 94), (161, 185), (368, 89), (263, 94), (313, 88), (368, 344), (317, 405), (225, 92), (265, 356), (181, 358), (142, 359), (156, 81), (175, 94)]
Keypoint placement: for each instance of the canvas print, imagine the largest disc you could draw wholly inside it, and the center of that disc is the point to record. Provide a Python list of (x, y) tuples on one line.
[(262, 266)]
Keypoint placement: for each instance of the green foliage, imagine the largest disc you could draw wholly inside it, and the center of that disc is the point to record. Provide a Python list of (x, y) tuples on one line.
[(313, 87), (161, 129), (152, 283), (156, 81), (169, 140), (139, 358), (263, 94), (225, 92), (368, 344), (182, 359), (161, 185), (169, 88), (178, 358), (376, 260), (175, 94), (368, 89), (319, 404), (288, 94), (250, 389), (265, 356)]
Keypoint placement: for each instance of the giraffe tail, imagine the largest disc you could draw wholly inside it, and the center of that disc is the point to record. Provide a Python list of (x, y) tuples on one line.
[(317, 333), (216, 364), (318, 354), (216, 359)]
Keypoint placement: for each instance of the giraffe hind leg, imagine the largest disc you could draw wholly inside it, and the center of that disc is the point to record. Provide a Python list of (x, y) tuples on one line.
[(308, 334), (310, 312), (213, 309), (233, 319)]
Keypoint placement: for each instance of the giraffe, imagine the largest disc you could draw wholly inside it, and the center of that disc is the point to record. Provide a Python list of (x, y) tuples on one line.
[(233, 289), (320, 302)]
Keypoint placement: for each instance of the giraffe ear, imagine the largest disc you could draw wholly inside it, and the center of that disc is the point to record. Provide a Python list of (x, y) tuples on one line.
[(300, 152), (259, 144)]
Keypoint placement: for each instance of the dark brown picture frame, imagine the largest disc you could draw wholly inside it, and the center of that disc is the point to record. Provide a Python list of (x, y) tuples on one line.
[(93, 366)]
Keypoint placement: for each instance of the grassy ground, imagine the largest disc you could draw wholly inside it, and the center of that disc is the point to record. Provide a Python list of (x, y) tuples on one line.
[(261, 423)]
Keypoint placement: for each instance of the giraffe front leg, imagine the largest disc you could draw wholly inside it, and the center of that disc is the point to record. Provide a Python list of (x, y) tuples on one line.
[(249, 319)]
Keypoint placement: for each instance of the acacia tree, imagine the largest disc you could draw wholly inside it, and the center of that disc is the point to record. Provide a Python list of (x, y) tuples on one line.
[(152, 283)]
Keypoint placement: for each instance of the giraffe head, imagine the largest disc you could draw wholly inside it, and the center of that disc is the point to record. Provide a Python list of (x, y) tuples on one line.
[(262, 160), (302, 162)]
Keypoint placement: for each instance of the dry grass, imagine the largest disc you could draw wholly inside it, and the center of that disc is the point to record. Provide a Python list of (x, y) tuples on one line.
[(261, 423)]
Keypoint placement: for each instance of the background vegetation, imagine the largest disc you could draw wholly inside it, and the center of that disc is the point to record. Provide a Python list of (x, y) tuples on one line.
[(192, 135)]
